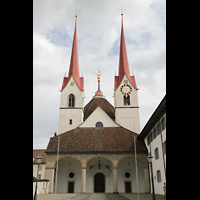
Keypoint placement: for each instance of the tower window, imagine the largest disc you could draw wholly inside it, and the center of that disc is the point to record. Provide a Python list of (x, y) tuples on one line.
[(70, 121), (127, 100), (71, 100)]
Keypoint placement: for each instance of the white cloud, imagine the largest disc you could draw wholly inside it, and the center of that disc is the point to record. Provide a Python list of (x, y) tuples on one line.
[(98, 32)]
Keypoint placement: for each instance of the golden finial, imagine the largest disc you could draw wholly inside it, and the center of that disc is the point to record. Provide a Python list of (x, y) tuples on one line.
[(76, 11), (98, 75)]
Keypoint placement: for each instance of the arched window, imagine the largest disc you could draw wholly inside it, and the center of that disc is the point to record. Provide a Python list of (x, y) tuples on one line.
[(71, 100), (70, 121), (126, 100), (99, 125)]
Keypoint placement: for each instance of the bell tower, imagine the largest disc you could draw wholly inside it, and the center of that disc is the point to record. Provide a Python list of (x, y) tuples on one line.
[(72, 93), (125, 92)]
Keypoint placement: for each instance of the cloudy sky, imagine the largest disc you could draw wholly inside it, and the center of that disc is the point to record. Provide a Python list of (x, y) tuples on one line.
[(98, 32)]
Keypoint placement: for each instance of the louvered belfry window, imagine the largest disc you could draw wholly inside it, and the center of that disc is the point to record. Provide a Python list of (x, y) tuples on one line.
[(71, 100)]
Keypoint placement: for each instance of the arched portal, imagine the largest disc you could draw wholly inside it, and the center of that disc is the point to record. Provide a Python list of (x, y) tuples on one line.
[(99, 175), (127, 176), (69, 176), (99, 182)]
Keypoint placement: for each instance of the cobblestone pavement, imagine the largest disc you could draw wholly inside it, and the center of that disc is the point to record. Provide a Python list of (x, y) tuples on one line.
[(98, 196)]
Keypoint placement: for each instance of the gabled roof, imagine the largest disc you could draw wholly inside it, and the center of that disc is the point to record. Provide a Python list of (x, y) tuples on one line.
[(74, 65), (112, 139), (123, 63), (101, 102), (36, 152)]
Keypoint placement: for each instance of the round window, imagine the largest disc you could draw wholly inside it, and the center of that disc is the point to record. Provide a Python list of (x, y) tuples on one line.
[(127, 175), (71, 175), (99, 125)]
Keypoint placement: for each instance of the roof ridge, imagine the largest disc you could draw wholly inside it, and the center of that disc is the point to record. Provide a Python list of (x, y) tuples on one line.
[(109, 105)]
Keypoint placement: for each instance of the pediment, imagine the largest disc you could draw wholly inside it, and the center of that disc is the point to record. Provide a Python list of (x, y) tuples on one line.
[(98, 115)]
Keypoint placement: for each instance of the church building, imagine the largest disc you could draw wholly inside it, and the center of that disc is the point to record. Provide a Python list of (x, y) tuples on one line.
[(97, 142)]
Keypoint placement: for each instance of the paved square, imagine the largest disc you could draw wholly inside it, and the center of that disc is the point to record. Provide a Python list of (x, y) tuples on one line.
[(98, 196)]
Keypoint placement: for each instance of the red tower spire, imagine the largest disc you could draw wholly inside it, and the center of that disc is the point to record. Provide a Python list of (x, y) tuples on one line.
[(74, 65), (123, 62)]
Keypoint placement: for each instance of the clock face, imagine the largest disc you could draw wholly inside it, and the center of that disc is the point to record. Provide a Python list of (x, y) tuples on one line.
[(126, 89)]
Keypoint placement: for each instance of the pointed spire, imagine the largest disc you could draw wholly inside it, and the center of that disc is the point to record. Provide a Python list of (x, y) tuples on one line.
[(123, 62), (99, 93), (74, 64)]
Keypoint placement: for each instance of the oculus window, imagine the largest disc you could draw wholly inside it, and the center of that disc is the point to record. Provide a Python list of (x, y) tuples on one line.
[(99, 125)]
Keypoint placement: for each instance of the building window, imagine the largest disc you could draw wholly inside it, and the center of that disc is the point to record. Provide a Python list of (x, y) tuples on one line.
[(148, 140), (164, 147), (158, 173), (127, 174), (154, 133), (99, 125), (70, 121), (71, 100), (163, 123), (159, 128), (127, 100), (39, 176), (71, 175), (156, 153)]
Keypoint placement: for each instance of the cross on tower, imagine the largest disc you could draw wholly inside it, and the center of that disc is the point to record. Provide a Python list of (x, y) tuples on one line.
[(76, 11), (122, 9)]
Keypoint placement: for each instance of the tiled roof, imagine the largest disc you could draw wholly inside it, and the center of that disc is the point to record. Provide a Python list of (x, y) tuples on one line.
[(108, 139), (101, 102), (36, 152)]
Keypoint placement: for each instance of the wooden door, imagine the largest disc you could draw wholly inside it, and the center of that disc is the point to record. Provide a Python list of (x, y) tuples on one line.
[(128, 187), (70, 187), (99, 183)]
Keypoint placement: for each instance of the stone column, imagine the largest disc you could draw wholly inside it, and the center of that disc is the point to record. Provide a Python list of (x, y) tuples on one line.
[(83, 179), (49, 174), (115, 180)]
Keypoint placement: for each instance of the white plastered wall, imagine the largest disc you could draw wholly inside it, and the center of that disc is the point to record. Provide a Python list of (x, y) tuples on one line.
[(66, 113), (98, 115), (65, 167), (127, 115), (128, 165)]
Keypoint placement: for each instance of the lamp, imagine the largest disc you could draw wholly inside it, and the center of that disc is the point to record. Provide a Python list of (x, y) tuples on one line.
[(150, 159), (39, 159)]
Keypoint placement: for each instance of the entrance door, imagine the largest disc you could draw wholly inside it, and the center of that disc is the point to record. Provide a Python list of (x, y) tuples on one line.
[(70, 187), (99, 183), (128, 187)]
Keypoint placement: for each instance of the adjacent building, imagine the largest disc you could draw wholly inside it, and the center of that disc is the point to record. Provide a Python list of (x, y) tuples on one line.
[(154, 136), (42, 166)]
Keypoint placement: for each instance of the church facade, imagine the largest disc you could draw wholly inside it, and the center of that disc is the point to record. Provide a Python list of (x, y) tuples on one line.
[(97, 142)]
